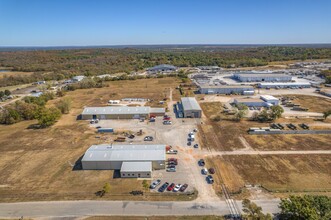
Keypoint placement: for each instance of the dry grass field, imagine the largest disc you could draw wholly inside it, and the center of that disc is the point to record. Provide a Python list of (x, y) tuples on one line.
[(38, 164), (14, 74), (227, 134), (303, 173), (313, 103)]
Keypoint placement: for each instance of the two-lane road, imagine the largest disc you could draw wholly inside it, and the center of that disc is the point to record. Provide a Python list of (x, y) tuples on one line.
[(122, 208)]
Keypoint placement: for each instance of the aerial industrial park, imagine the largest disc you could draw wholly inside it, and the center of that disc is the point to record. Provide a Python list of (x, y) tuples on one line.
[(155, 110)]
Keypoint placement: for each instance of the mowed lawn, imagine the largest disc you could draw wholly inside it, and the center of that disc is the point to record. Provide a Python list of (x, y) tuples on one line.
[(282, 173), (38, 164)]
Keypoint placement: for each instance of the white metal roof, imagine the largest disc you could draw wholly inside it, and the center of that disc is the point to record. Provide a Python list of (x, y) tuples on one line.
[(226, 86), (256, 75), (269, 98), (190, 103), (136, 167), (115, 110), (107, 152)]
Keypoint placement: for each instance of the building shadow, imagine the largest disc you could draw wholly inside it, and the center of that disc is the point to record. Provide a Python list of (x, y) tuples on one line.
[(79, 117), (116, 174), (78, 164)]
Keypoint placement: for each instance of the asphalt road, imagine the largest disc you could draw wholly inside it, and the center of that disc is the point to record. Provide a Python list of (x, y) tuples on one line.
[(58, 209)]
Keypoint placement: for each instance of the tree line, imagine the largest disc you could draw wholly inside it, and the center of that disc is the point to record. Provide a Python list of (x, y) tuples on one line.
[(62, 64)]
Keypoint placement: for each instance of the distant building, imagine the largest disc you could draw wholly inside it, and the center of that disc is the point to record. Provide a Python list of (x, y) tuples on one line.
[(133, 161), (270, 99), (77, 78), (225, 89), (263, 101), (163, 68), (262, 77), (120, 112), (104, 76), (250, 102), (209, 68), (284, 85), (326, 92), (190, 107)]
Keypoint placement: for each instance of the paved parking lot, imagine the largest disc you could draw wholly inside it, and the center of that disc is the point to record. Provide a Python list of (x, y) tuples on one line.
[(176, 135)]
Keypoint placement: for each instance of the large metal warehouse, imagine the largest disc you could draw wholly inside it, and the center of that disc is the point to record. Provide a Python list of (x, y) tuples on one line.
[(131, 160), (225, 89), (120, 112), (285, 85), (262, 77), (163, 68), (191, 107), (250, 102)]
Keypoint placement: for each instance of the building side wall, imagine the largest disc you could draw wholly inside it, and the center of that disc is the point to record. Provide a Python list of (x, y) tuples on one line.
[(192, 113), (101, 165), (158, 165), (114, 116), (224, 90), (136, 174)]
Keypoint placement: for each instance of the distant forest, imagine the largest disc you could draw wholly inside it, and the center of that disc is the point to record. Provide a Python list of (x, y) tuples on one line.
[(61, 64)]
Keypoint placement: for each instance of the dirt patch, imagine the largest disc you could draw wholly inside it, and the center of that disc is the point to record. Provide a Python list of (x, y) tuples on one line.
[(313, 103), (287, 173)]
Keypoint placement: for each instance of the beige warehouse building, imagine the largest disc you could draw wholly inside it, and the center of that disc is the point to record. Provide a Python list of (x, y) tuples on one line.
[(132, 160)]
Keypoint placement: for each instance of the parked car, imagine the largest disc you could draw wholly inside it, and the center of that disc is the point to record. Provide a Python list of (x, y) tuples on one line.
[(172, 151), (195, 130), (167, 122), (148, 138), (211, 170), (177, 187), (196, 146), (152, 120), (172, 162), (183, 188), (131, 136), (172, 159), (189, 143), (173, 169), (204, 171), (171, 187), (210, 179), (163, 187), (201, 162), (171, 166), (155, 184)]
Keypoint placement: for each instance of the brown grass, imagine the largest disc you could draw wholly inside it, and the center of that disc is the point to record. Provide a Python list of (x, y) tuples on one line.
[(14, 74), (313, 103), (224, 135), (38, 164), (278, 173)]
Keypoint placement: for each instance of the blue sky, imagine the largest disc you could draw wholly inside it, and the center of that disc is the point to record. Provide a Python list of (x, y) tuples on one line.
[(129, 22)]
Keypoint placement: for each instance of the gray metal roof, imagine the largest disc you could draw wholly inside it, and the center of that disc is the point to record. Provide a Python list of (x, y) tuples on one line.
[(157, 110), (226, 86), (190, 103), (255, 75), (163, 66), (115, 110), (136, 167), (107, 152)]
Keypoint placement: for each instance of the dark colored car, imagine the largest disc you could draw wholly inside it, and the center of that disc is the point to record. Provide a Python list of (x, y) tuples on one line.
[(163, 187), (172, 159), (171, 166), (171, 187), (148, 138), (183, 188), (201, 162), (172, 163), (210, 179), (211, 170), (189, 143)]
